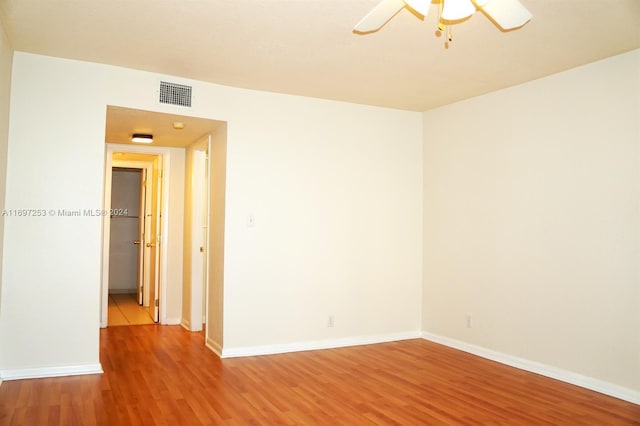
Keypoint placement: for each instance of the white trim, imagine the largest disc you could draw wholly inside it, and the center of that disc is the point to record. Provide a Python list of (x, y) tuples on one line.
[(315, 345), (42, 372), (172, 321), (106, 232), (199, 227), (166, 167), (214, 346), (143, 261), (590, 383)]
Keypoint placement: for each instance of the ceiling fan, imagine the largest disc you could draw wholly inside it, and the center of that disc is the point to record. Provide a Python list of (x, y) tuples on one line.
[(506, 14)]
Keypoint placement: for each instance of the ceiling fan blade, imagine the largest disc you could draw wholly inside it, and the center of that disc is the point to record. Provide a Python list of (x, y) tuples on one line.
[(380, 15), (507, 14), (420, 6), (457, 10)]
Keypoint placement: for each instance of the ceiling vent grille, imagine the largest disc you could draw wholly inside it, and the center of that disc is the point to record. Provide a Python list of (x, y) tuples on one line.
[(175, 94)]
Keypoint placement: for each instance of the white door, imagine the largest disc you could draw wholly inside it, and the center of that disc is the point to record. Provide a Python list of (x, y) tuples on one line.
[(153, 238), (141, 229), (199, 232)]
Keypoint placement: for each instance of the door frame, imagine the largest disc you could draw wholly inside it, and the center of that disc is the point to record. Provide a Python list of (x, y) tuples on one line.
[(143, 261), (200, 211), (144, 170), (165, 156)]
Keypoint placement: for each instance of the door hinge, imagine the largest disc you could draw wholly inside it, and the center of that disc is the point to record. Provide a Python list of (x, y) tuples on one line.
[(157, 303)]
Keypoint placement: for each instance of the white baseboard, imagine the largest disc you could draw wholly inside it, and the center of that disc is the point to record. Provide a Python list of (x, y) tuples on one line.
[(172, 321), (315, 345), (590, 383), (42, 372)]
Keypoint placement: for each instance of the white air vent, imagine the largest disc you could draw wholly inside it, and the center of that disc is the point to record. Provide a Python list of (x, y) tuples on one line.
[(175, 94)]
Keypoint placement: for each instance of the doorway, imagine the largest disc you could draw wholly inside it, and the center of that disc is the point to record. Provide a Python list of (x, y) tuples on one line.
[(191, 248), (133, 261), (127, 304)]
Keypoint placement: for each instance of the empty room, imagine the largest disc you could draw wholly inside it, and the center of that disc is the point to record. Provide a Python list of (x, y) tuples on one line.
[(343, 212)]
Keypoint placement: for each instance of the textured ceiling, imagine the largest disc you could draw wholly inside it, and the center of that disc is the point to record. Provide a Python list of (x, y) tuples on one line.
[(307, 47)]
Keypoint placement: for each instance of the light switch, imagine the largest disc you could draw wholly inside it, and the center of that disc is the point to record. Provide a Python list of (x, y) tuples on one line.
[(251, 221)]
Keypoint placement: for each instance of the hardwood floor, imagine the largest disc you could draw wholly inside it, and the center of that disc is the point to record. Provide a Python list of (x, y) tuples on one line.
[(164, 375)]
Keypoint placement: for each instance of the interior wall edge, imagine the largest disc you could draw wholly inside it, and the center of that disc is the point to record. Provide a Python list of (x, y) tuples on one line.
[(6, 64), (214, 346)]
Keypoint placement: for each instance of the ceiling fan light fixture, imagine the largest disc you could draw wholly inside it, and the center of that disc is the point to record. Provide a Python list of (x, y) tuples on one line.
[(504, 14), (142, 138), (420, 6), (455, 10), (508, 14)]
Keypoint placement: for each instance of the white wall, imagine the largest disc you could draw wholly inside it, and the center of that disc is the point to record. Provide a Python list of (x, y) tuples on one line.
[(172, 300), (216, 262), (6, 60), (336, 191), (335, 188), (51, 276), (532, 221)]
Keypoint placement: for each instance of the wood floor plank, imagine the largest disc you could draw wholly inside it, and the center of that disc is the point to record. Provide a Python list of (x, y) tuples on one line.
[(164, 375)]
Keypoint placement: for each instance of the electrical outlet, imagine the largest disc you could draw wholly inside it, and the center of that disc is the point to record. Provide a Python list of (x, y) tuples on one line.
[(331, 321), (469, 321)]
